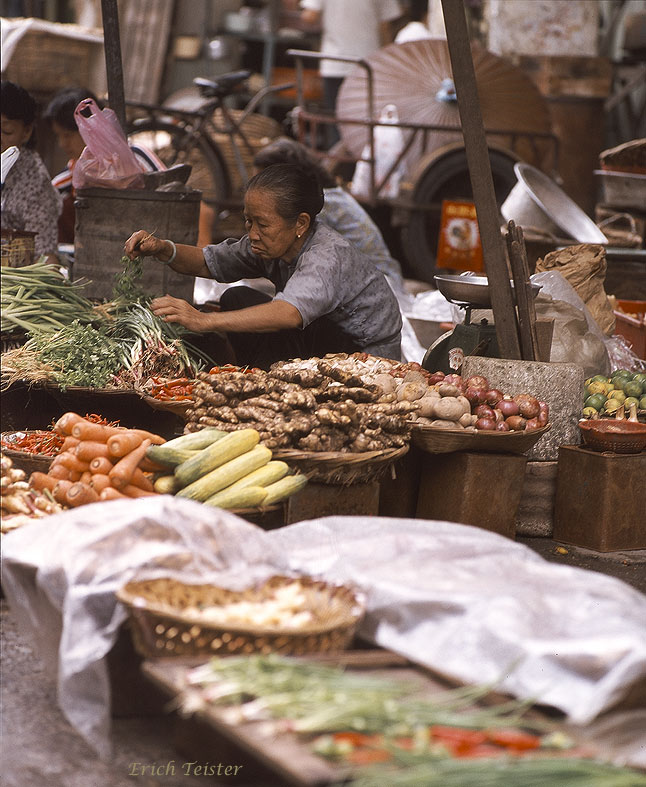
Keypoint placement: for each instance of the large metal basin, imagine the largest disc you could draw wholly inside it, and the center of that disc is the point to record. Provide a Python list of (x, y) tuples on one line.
[(470, 288)]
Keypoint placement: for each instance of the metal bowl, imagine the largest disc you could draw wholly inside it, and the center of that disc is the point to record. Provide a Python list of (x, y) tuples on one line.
[(470, 288)]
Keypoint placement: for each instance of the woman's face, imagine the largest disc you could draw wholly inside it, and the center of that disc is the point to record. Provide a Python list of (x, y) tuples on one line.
[(270, 234), (70, 142), (14, 132)]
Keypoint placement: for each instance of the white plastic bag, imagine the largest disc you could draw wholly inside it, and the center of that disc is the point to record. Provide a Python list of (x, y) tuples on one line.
[(389, 143)]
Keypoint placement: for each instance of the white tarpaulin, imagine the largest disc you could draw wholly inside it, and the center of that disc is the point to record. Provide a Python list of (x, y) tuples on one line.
[(469, 604)]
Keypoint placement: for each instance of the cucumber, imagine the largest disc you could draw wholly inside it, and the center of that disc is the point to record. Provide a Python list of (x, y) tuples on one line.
[(272, 471), (174, 452), (226, 474), (216, 454), (286, 487), (243, 497), (166, 485)]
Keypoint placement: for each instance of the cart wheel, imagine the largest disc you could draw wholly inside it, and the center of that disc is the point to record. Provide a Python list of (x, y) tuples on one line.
[(446, 178)]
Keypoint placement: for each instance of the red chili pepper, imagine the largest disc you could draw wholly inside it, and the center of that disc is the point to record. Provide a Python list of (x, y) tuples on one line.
[(357, 738), (458, 735), (368, 756), (513, 739)]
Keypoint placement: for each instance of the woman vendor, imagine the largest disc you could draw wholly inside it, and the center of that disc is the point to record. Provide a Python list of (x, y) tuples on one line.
[(29, 201), (329, 296)]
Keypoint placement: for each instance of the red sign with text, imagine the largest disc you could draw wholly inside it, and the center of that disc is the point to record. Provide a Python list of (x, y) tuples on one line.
[(459, 246)]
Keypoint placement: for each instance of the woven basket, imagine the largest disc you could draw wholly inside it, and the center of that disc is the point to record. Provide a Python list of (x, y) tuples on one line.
[(445, 441), (24, 460), (179, 408), (161, 627), (338, 467), (18, 248), (616, 436)]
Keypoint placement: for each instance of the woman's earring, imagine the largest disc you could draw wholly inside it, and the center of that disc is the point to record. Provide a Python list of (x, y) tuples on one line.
[(298, 236)]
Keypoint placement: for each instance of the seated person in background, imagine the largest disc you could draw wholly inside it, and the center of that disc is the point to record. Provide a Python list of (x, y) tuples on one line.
[(341, 211), (416, 29), (60, 113), (29, 201), (329, 296)]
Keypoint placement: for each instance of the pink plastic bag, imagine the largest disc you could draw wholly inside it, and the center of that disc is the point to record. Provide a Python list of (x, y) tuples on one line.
[(107, 161)]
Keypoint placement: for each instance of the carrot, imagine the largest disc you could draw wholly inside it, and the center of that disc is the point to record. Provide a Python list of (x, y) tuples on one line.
[(87, 430), (66, 422), (69, 442), (60, 491), (74, 475), (80, 494), (41, 481), (148, 466), (86, 477), (130, 490), (87, 450), (101, 464), (121, 444), (100, 481), (69, 460), (121, 474), (110, 493), (141, 480), (58, 471)]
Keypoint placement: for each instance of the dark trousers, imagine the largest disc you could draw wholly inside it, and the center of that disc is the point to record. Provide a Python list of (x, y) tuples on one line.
[(331, 87), (262, 349)]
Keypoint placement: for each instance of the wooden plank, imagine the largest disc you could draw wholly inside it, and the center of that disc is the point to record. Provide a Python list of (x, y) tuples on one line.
[(522, 289), (113, 63), (481, 179)]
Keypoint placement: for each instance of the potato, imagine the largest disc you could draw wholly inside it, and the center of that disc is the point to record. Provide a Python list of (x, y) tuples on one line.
[(448, 409), (467, 419), (427, 406), (441, 424), (420, 419), (448, 389), (386, 382), (415, 377), (411, 392), (466, 404)]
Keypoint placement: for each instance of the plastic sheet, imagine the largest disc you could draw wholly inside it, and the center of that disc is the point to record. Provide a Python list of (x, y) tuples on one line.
[(465, 602)]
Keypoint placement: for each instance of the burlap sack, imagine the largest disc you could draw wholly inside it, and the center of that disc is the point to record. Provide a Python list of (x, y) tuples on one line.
[(584, 266)]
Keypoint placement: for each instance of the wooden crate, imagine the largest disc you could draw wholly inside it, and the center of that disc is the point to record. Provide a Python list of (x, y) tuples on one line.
[(600, 499)]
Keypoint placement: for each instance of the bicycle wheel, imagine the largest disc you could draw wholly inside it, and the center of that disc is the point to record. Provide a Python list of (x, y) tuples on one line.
[(446, 178), (174, 146)]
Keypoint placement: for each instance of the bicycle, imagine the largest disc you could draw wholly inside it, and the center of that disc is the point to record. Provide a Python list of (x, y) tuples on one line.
[(218, 142)]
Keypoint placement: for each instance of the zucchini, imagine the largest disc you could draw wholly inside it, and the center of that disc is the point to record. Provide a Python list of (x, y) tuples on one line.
[(243, 497), (165, 485), (286, 487), (272, 471), (226, 474), (179, 449), (216, 454)]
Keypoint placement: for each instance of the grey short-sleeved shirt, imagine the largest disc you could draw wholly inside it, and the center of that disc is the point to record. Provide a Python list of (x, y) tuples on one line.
[(330, 277)]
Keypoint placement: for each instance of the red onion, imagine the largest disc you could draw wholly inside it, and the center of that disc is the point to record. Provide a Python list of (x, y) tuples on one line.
[(436, 377), (502, 426), (475, 396), (493, 396), (543, 413), (484, 411), (486, 424), (497, 414), (477, 381), (507, 407), (455, 379), (516, 422), (532, 423), (528, 405)]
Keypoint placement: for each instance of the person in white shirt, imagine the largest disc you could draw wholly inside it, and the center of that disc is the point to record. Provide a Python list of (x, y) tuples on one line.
[(348, 29), (417, 28)]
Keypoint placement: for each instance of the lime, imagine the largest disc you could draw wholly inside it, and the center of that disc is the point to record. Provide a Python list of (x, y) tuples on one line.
[(640, 377), (596, 387), (620, 382), (623, 373), (642, 403), (630, 401), (596, 401), (633, 388), (611, 406), (599, 378), (617, 394), (589, 412)]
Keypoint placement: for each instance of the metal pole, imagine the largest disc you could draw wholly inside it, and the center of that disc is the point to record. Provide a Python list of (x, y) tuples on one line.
[(475, 143), (113, 64)]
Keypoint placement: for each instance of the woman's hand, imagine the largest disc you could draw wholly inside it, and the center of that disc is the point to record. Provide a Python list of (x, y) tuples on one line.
[(176, 310), (143, 244)]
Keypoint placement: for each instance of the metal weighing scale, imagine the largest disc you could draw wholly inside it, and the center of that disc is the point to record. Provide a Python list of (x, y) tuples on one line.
[(468, 291)]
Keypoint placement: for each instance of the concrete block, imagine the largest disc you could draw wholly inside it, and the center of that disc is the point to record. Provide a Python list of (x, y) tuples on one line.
[(535, 515), (558, 384)]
